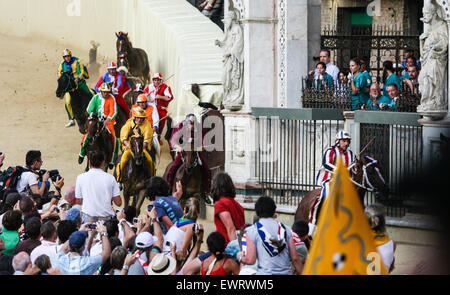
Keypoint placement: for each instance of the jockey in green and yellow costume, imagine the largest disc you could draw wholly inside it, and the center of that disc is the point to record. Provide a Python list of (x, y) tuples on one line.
[(78, 72)]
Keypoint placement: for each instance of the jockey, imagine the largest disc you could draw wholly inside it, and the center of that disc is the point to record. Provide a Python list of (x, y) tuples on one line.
[(191, 129), (120, 86), (138, 121), (79, 73), (329, 160), (149, 108), (160, 94), (104, 105)]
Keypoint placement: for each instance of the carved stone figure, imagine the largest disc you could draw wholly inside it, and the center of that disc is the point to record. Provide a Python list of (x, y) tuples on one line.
[(433, 55), (233, 62)]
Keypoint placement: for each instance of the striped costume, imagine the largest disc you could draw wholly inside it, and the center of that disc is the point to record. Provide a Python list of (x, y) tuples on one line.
[(324, 175)]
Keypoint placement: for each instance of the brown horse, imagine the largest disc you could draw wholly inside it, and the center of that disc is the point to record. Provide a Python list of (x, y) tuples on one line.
[(135, 173), (98, 138), (190, 175), (136, 58), (122, 66), (366, 176)]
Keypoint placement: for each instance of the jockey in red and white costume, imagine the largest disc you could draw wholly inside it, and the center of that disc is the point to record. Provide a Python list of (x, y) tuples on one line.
[(329, 160), (160, 94), (119, 88)]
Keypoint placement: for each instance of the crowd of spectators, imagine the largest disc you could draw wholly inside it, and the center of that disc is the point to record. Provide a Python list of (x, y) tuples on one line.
[(76, 235), (356, 86)]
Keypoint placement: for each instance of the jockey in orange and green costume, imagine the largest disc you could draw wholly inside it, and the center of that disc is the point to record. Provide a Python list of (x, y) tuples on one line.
[(137, 121), (79, 73), (104, 105)]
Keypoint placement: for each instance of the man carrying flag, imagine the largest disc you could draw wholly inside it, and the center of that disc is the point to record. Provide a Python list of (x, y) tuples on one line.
[(344, 242)]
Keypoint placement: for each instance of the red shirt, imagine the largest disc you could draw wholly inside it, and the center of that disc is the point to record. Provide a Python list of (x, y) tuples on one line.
[(236, 212)]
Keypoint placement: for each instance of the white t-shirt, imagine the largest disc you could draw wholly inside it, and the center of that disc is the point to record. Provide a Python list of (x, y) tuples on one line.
[(96, 188), (27, 179), (46, 247)]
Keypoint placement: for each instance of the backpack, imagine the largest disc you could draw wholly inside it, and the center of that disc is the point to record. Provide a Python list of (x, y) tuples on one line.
[(8, 181)]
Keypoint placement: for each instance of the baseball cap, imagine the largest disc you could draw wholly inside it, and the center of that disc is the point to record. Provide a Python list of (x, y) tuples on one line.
[(73, 214), (77, 239), (145, 240)]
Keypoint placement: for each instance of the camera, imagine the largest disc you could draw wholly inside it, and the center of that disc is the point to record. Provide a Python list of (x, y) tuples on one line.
[(92, 226), (135, 220), (149, 207), (54, 174)]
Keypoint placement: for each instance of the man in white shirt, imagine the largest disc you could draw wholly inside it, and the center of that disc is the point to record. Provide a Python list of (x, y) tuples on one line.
[(48, 244), (29, 179), (96, 189), (332, 70)]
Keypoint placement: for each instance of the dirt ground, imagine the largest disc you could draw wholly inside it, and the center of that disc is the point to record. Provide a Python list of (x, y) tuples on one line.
[(32, 117)]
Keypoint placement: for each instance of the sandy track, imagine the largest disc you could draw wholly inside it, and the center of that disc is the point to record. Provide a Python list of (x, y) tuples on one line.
[(31, 116)]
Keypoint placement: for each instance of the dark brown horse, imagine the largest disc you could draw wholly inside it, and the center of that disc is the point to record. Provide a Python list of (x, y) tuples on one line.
[(98, 138), (366, 175), (136, 58), (79, 99), (123, 67), (135, 173), (190, 174)]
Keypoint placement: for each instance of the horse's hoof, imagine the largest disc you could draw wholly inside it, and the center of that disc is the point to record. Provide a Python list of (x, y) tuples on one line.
[(80, 159)]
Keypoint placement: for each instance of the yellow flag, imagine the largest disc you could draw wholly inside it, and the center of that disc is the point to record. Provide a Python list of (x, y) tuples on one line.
[(343, 242)]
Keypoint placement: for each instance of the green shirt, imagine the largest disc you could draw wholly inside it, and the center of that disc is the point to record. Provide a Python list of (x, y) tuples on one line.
[(11, 238)]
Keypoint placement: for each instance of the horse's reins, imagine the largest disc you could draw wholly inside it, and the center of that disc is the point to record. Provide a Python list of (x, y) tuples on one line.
[(365, 178)]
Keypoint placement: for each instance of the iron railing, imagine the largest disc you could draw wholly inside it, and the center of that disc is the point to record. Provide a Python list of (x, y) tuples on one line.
[(397, 145), (291, 145), (316, 94)]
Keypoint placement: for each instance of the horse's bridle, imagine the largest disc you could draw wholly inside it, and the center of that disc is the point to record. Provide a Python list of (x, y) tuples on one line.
[(70, 84), (366, 184)]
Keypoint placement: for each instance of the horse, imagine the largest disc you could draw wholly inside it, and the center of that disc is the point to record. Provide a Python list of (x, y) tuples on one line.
[(190, 174), (136, 57), (366, 176), (79, 99), (135, 173), (98, 138), (131, 96)]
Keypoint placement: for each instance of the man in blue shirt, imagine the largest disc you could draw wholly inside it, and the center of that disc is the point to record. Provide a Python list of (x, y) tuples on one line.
[(70, 259), (167, 207)]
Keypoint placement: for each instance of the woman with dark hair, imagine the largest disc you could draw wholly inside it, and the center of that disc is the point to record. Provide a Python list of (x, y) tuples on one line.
[(167, 207), (357, 85), (12, 221), (228, 214), (389, 77), (218, 263)]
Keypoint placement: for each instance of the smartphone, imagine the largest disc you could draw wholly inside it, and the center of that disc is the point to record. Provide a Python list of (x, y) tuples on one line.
[(135, 220), (149, 207), (92, 226), (117, 211)]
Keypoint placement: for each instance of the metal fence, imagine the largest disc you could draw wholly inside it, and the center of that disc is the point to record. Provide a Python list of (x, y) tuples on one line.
[(397, 145), (291, 144), (316, 94)]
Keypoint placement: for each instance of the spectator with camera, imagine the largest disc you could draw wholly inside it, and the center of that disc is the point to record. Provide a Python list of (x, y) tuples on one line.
[(32, 233), (96, 189), (33, 178), (70, 259)]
